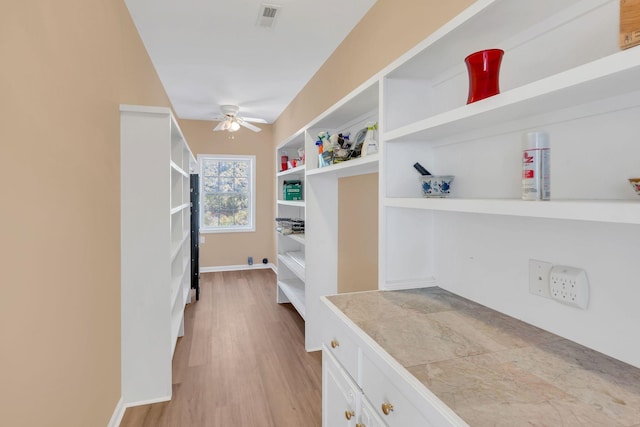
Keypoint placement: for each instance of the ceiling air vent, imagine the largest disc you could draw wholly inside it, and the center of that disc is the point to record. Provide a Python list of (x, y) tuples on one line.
[(267, 15)]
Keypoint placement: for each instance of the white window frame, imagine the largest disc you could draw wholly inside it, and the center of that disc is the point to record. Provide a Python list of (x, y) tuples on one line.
[(252, 190)]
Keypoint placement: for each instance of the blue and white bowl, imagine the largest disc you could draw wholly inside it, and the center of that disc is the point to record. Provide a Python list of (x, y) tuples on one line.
[(436, 185)]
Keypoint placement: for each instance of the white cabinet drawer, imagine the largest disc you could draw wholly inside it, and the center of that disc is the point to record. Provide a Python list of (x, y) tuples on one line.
[(341, 342), (380, 390)]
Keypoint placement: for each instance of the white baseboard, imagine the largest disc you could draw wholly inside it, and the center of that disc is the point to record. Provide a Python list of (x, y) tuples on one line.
[(402, 285), (148, 402), (121, 407), (118, 413), (237, 268)]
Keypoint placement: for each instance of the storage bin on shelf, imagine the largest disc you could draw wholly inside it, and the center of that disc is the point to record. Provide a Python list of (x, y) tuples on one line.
[(292, 190)]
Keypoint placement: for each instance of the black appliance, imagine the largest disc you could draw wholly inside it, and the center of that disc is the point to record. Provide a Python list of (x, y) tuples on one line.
[(195, 234)]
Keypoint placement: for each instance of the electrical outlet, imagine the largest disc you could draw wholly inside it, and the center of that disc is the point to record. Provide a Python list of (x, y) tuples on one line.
[(569, 285), (539, 277), (202, 240)]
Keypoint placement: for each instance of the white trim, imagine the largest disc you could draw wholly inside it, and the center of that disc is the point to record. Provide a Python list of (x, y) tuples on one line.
[(118, 414), (259, 266), (402, 285), (148, 402), (229, 230)]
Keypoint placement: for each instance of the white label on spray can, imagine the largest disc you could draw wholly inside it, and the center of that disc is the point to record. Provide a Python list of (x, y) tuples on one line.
[(536, 166)]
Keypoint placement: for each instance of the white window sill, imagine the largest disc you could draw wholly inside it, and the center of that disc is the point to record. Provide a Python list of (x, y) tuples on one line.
[(228, 230)]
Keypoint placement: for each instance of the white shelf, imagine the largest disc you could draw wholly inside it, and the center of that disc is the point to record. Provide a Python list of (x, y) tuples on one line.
[(176, 322), (613, 75), (296, 203), (294, 141), (296, 237), (358, 102), (178, 169), (175, 249), (611, 211), (185, 293), (176, 283), (485, 23), (359, 166), (177, 245), (179, 208), (295, 293), (298, 257), (298, 170), (293, 265)]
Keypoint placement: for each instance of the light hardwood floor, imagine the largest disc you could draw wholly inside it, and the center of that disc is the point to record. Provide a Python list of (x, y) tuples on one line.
[(241, 362)]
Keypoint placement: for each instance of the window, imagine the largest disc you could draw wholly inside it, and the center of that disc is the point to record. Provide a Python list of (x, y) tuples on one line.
[(227, 193)]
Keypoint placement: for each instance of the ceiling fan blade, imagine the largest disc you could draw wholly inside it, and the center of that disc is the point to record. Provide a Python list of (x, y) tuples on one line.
[(254, 120), (219, 127), (249, 126)]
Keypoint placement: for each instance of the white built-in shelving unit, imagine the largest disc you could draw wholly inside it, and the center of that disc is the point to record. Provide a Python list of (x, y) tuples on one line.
[(562, 73), (303, 281), (156, 276), (574, 91), (291, 247)]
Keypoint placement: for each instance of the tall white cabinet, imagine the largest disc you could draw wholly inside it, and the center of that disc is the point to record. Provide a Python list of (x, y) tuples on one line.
[(155, 246)]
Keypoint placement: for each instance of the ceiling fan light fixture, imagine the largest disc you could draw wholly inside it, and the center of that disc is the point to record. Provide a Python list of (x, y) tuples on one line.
[(225, 125), (229, 122)]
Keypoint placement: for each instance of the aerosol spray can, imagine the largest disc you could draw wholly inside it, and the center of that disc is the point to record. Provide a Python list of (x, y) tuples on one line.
[(536, 157)]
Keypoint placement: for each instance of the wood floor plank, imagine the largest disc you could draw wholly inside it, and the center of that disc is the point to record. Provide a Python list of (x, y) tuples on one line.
[(241, 362)]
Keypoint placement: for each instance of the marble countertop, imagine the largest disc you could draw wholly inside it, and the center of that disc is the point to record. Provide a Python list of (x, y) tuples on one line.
[(492, 369)]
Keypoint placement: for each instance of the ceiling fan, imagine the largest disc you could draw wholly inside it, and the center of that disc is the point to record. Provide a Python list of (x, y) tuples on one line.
[(231, 122)]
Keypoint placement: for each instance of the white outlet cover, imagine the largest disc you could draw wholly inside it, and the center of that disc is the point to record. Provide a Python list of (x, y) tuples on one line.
[(569, 285), (539, 278)]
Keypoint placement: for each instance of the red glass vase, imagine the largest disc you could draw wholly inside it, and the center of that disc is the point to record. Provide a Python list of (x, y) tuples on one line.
[(484, 74)]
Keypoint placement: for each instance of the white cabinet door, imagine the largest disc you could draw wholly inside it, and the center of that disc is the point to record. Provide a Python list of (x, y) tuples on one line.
[(339, 394), (368, 416)]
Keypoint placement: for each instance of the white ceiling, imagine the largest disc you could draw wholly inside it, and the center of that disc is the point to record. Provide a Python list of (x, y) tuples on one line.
[(211, 52)]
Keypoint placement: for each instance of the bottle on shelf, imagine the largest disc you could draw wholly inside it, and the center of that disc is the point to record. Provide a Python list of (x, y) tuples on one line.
[(370, 144), (536, 166)]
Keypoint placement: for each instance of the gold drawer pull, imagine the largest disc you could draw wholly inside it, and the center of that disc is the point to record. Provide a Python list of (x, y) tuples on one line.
[(334, 343), (349, 414), (360, 425), (386, 408)]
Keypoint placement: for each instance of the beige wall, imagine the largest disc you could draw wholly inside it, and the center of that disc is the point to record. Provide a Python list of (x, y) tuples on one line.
[(358, 233), (223, 249), (66, 65)]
